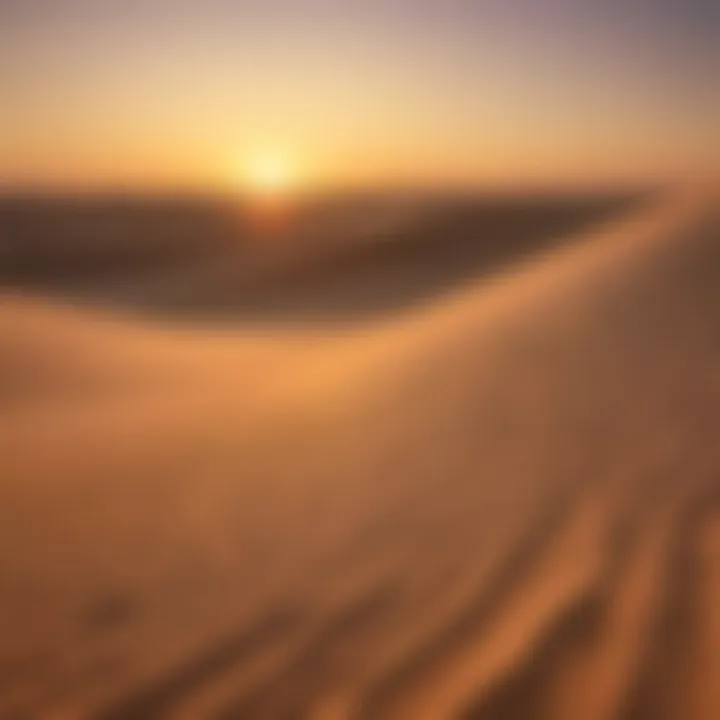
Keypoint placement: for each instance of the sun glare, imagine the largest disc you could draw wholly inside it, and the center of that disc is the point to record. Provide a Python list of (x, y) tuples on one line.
[(268, 174)]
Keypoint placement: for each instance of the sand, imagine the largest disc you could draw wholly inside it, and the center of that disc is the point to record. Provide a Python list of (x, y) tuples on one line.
[(498, 500)]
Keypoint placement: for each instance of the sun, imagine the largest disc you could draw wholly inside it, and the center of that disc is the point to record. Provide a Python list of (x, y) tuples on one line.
[(268, 174)]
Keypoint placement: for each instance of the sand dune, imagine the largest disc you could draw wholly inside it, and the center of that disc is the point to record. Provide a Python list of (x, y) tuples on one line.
[(500, 500)]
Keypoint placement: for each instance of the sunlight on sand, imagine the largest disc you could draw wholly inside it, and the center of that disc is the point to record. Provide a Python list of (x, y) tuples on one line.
[(501, 502)]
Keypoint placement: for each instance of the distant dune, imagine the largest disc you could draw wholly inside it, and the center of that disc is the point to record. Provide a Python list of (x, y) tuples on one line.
[(460, 461), (332, 259)]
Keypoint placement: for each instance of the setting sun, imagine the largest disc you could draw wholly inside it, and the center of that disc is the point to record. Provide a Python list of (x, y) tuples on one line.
[(268, 174)]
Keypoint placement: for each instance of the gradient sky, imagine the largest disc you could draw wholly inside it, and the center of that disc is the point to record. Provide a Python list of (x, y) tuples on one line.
[(155, 93)]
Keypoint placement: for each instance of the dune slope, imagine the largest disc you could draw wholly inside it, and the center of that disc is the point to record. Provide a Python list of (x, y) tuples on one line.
[(504, 503)]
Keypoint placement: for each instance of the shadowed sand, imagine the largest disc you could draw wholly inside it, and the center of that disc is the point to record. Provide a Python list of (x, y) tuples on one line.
[(499, 499)]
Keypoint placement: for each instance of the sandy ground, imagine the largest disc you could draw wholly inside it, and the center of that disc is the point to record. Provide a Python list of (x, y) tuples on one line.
[(502, 502)]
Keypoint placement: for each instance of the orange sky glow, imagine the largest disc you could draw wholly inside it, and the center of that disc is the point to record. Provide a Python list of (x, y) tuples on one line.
[(190, 94)]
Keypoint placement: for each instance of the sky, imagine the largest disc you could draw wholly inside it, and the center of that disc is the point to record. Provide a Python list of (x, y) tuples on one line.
[(189, 93)]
